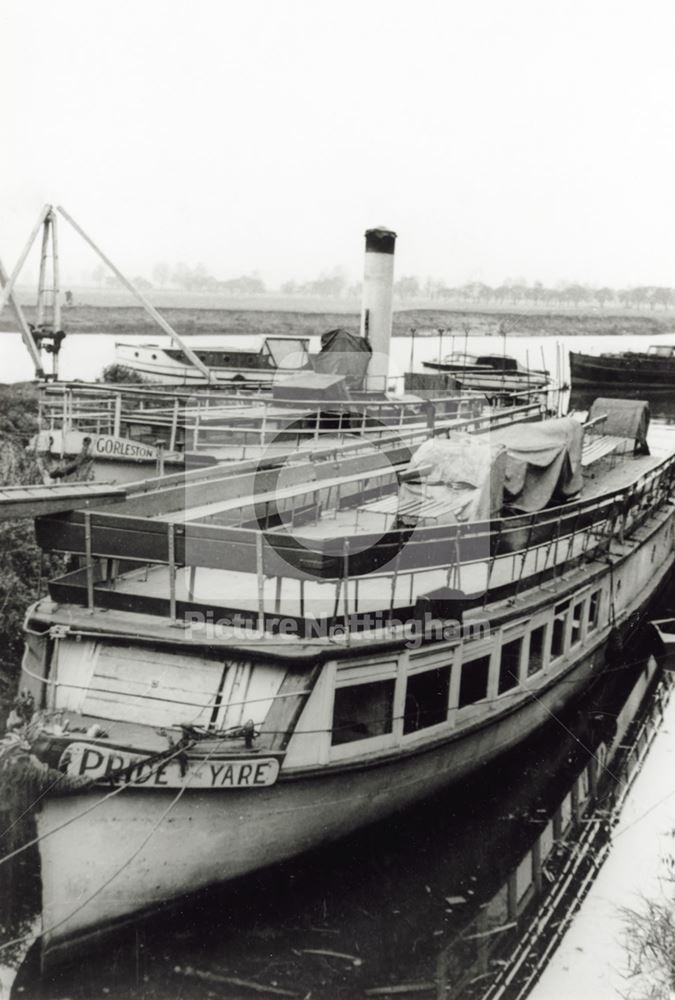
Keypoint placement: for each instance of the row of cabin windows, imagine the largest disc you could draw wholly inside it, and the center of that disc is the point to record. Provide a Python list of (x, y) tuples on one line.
[(362, 711)]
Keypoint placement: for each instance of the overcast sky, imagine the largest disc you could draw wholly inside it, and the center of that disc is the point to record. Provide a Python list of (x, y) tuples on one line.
[(519, 139)]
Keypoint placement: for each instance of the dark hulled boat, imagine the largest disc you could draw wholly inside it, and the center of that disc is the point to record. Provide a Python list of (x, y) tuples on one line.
[(627, 373)]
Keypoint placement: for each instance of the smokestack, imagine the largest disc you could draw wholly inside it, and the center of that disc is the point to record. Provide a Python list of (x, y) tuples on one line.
[(376, 310)]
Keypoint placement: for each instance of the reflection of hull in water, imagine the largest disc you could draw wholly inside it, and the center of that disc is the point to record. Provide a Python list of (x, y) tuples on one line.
[(661, 404), (215, 836)]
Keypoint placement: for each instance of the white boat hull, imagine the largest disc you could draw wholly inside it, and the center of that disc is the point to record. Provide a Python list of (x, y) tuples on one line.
[(211, 837), (156, 365), (98, 872)]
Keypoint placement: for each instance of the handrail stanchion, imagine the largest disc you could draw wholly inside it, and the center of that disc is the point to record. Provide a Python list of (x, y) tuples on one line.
[(174, 426), (171, 544), (260, 579), (117, 419), (89, 561)]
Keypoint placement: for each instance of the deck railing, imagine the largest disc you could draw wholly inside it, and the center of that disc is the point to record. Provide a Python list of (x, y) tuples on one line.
[(197, 420), (486, 560)]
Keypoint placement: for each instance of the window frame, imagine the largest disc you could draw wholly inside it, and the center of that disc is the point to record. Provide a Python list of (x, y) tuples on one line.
[(482, 654), (581, 603), (356, 675), (590, 625), (544, 624), (564, 616), (445, 663), (507, 637)]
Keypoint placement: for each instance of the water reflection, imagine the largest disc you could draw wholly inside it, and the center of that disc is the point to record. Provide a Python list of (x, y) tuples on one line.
[(465, 897), (661, 404)]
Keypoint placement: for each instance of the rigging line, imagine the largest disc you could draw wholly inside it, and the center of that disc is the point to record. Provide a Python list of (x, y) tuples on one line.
[(94, 805), (30, 807), (56, 781), (573, 735), (126, 864)]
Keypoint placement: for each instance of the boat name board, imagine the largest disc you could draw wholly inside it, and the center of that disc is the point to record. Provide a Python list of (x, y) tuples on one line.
[(101, 763), (108, 446)]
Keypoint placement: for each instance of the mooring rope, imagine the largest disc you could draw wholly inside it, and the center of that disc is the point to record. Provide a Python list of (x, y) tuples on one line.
[(118, 871), (84, 812)]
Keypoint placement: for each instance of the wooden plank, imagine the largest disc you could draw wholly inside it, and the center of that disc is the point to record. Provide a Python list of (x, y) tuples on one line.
[(37, 501)]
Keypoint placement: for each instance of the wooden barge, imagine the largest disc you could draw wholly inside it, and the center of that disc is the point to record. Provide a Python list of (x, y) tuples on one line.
[(260, 661)]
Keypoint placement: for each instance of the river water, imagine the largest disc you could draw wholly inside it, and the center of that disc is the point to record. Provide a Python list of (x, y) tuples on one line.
[(84, 356)]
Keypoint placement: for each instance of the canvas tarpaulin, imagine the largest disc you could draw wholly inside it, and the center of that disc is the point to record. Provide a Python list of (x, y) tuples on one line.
[(343, 353), (626, 418), (465, 470), (543, 463), (311, 386)]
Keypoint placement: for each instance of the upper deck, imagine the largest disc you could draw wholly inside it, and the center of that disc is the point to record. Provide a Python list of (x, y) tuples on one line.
[(317, 540)]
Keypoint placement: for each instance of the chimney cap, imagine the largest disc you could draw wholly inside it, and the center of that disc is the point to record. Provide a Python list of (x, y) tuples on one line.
[(380, 240)]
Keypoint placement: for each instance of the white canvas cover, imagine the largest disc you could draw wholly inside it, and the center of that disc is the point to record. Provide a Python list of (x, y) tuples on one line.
[(464, 470)]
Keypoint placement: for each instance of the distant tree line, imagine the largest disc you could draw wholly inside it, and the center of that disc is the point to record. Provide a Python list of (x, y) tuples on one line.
[(408, 288), (520, 293)]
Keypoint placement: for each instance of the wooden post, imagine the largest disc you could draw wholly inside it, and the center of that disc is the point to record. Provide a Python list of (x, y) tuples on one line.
[(195, 432), (174, 426), (345, 574), (160, 458), (171, 543), (263, 425), (89, 561), (117, 418), (261, 580), (56, 281), (6, 291), (493, 559), (24, 329), (40, 312)]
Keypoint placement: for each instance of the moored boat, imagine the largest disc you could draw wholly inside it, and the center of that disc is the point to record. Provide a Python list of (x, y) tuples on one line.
[(127, 433), (260, 366), (490, 372), (625, 373), (259, 663)]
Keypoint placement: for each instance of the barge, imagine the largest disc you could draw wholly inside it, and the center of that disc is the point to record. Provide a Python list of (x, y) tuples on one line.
[(254, 662)]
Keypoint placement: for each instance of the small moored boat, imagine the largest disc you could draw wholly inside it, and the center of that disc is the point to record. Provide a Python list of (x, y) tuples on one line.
[(490, 372)]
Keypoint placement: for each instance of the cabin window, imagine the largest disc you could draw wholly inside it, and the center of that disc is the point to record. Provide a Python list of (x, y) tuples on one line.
[(474, 681), (577, 618), (509, 666), (559, 629), (362, 711), (594, 610), (426, 699), (537, 650)]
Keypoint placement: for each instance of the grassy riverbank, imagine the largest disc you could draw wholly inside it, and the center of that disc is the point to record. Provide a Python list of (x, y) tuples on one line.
[(122, 320), (19, 555)]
